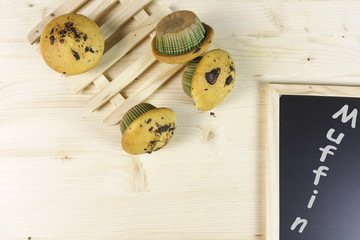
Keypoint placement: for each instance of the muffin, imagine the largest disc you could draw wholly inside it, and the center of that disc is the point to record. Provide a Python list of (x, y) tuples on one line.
[(71, 44), (181, 37), (209, 79), (146, 128)]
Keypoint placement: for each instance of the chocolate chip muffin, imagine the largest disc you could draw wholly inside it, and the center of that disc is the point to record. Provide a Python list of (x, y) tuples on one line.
[(72, 44), (181, 37), (146, 128), (209, 79)]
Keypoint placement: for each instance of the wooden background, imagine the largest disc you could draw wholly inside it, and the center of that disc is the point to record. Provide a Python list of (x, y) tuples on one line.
[(63, 174)]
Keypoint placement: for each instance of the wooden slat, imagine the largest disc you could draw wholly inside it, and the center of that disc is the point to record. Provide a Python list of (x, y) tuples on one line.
[(121, 81), (97, 10), (80, 82), (68, 6), (102, 82), (143, 92), (127, 10)]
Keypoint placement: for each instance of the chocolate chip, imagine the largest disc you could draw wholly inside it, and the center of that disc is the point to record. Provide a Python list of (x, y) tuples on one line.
[(206, 89), (150, 129), (62, 40), (197, 50), (53, 15), (62, 33), (211, 77), (89, 49), (52, 39), (52, 31), (212, 114), (231, 68), (76, 55), (228, 80), (151, 146), (85, 37), (69, 24), (64, 72), (149, 120), (163, 129)]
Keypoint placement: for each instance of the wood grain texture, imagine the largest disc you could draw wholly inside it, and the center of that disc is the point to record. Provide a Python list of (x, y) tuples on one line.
[(63, 173)]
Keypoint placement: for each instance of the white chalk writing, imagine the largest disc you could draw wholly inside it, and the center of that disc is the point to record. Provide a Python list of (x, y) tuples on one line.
[(312, 199), (344, 117), (325, 151), (297, 222)]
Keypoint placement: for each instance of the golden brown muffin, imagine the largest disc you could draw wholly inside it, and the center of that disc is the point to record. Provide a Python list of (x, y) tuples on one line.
[(146, 128), (181, 37), (72, 44), (209, 79)]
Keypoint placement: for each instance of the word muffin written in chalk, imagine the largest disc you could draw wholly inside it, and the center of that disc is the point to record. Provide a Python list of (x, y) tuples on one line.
[(300, 223)]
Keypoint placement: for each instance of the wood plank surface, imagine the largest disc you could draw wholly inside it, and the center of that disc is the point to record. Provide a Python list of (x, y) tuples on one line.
[(63, 174)]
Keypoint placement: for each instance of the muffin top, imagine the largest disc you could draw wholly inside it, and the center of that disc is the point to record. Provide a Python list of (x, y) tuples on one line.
[(71, 44), (149, 132), (213, 79)]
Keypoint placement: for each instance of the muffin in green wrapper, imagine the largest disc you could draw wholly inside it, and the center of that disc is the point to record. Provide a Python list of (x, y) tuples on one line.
[(146, 128), (181, 37), (209, 79)]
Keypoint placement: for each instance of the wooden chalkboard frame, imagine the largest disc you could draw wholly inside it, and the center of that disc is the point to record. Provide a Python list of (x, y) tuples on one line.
[(275, 91)]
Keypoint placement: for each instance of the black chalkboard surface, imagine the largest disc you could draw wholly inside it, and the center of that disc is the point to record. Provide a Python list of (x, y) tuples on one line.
[(318, 163)]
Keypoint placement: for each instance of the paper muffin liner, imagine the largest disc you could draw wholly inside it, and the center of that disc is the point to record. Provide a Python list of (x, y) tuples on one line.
[(188, 74), (133, 114), (181, 42)]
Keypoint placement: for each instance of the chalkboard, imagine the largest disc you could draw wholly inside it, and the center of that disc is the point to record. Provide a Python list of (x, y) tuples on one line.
[(316, 168)]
